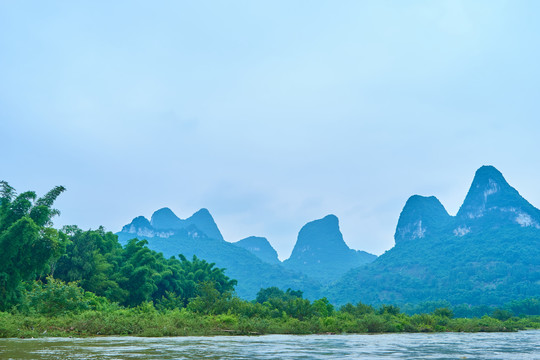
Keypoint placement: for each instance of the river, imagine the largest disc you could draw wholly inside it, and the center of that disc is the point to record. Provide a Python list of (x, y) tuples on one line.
[(519, 345)]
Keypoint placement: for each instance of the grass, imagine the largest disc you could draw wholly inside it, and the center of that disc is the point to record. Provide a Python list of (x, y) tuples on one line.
[(181, 322)]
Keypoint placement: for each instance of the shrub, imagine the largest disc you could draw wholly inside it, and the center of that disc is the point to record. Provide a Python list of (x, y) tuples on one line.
[(56, 297)]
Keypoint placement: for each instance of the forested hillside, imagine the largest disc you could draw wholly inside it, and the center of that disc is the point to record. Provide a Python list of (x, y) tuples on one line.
[(489, 253)]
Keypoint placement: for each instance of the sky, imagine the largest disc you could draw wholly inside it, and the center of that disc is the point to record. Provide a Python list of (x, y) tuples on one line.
[(270, 114)]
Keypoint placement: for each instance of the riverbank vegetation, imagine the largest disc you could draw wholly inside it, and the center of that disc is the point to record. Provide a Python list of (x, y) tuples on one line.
[(71, 282), (146, 320)]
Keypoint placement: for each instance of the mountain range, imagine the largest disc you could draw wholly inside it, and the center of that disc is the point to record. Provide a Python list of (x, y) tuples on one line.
[(488, 253), (320, 256)]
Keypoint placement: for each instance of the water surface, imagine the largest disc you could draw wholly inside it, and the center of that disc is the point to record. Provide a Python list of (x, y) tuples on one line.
[(519, 345)]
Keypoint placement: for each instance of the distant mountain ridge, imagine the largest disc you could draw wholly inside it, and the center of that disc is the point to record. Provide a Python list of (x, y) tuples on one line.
[(260, 247), (490, 202), (172, 236), (252, 261), (164, 219), (164, 223), (321, 253), (489, 253)]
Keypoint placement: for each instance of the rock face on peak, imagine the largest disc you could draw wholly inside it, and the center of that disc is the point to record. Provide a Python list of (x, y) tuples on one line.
[(420, 217), (488, 254), (139, 226), (492, 201), (166, 221), (321, 253), (260, 247), (164, 224), (488, 187), (205, 222)]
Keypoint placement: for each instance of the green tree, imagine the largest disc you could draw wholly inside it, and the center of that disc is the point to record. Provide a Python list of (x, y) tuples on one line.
[(501, 314), (134, 274), (359, 310), (273, 292), (529, 306), (323, 307), (209, 300), (444, 312), (299, 308), (55, 297), (199, 271), (389, 309), (92, 258), (30, 246)]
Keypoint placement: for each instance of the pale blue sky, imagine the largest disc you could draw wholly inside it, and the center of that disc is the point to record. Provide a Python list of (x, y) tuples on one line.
[(268, 113)]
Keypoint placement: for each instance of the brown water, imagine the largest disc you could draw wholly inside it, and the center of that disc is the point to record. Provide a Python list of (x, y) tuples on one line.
[(520, 345)]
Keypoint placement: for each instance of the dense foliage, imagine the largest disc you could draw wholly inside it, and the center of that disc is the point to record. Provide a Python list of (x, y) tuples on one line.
[(473, 269), (29, 244), (213, 314), (133, 274)]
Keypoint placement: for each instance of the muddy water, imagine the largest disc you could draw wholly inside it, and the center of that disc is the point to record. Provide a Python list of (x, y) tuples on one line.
[(520, 345)]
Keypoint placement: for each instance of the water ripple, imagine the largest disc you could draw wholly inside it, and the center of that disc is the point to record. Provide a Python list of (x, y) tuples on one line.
[(522, 345)]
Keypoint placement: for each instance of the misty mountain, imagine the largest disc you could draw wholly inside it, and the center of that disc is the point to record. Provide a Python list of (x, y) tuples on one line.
[(321, 253), (489, 253), (260, 247), (165, 220), (172, 236)]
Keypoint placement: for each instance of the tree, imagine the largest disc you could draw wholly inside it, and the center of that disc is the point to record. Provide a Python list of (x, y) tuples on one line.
[(92, 259), (56, 297), (266, 294), (323, 307), (444, 312), (199, 271), (30, 246)]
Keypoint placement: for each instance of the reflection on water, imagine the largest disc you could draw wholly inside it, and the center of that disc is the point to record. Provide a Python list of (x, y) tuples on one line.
[(520, 345)]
